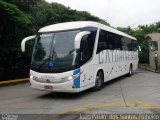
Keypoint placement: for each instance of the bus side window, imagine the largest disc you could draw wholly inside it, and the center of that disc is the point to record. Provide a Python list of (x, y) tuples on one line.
[(116, 42), (134, 45), (129, 44), (124, 43), (86, 48), (102, 41)]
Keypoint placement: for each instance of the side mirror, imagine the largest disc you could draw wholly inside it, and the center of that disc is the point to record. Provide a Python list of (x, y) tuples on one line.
[(25, 40), (139, 48), (78, 38)]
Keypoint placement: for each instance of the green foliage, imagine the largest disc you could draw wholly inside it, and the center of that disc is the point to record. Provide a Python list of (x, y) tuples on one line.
[(24, 5), (143, 54), (21, 18), (46, 14), (14, 25)]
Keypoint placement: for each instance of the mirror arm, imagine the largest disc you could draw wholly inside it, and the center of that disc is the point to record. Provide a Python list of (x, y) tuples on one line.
[(25, 40), (79, 37), (139, 48)]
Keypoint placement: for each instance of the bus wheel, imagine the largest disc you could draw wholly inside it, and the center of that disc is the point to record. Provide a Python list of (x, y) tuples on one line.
[(99, 81), (130, 70)]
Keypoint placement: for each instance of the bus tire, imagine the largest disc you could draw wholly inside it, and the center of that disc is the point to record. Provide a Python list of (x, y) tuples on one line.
[(99, 81), (130, 70)]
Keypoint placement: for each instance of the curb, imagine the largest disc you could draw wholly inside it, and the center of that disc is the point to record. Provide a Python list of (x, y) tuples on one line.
[(14, 81), (146, 68)]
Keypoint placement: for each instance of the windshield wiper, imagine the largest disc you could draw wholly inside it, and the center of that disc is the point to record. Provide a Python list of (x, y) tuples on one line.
[(71, 51), (45, 60)]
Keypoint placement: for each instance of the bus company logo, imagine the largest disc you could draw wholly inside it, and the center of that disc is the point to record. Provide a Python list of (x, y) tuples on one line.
[(48, 81)]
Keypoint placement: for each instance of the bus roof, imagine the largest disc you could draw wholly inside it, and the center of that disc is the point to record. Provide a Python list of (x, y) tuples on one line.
[(81, 24)]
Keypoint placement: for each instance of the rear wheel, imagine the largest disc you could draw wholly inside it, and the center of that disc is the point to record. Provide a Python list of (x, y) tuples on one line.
[(99, 81), (130, 70)]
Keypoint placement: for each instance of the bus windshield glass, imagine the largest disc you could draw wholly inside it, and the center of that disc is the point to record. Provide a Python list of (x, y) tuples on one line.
[(54, 50)]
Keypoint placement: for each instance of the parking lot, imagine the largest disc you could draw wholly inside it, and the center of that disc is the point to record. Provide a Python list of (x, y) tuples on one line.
[(138, 94)]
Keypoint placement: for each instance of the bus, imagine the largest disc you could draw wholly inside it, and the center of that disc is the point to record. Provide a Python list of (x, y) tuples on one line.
[(75, 56)]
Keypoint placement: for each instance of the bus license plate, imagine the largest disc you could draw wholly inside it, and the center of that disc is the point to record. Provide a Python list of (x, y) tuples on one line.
[(48, 87)]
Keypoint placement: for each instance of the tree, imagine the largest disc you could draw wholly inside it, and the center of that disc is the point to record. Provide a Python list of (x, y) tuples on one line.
[(14, 26), (21, 18)]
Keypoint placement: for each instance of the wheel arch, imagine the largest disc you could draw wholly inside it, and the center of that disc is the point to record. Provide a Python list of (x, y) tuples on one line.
[(100, 70), (98, 86), (131, 65)]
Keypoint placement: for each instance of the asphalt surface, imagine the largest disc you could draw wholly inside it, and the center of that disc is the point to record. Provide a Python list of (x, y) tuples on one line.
[(138, 94)]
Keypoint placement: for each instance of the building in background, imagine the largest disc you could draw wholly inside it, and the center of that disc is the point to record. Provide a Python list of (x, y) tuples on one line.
[(154, 50)]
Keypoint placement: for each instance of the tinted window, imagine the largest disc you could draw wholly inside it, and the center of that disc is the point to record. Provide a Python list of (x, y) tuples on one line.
[(125, 42), (108, 40), (104, 41), (87, 46), (134, 45), (43, 46), (116, 42), (128, 44), (56, 48)]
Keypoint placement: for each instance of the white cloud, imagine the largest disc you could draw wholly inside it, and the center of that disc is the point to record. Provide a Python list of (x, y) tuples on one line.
[(118, 12)]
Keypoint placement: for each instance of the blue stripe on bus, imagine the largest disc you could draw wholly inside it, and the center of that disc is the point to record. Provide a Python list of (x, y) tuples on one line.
[(76, 71), (76, 81)]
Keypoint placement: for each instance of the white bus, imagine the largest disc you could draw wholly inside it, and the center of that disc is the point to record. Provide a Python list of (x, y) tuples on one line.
[(75, 56)]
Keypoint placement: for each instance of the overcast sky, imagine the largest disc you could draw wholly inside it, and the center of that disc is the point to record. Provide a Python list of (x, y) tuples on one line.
[(120, 13)]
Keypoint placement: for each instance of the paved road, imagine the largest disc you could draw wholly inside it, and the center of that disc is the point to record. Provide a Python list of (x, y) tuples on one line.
[(139, 93)]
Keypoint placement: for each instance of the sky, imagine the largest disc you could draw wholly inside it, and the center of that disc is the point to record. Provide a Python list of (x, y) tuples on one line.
[(118, 13)]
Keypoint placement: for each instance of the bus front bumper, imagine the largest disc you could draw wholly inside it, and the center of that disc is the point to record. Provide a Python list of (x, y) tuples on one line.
[(61, 87)]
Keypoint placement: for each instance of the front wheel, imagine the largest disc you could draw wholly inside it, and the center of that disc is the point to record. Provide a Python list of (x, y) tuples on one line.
[(98, 82)]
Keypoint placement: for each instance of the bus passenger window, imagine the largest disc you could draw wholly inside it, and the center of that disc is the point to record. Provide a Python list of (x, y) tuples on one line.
[(102, 44), (116, 42), (129, 45), (134, 45), (124, 41)]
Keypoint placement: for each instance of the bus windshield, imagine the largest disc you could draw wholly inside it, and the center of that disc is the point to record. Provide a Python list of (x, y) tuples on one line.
[(54, 50)]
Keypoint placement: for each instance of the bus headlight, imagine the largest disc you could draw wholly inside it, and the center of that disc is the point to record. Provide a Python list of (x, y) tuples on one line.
[(31, 77), (71, 77)]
